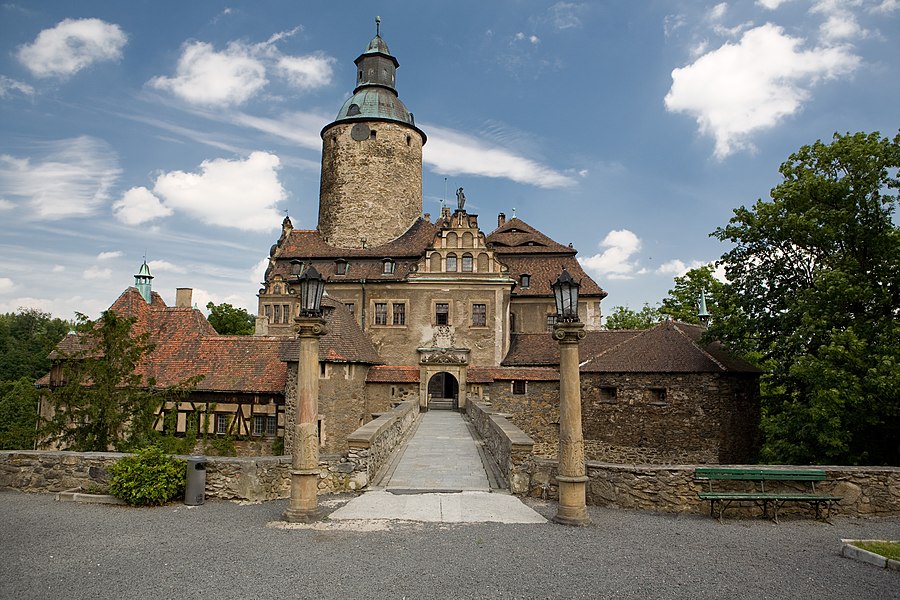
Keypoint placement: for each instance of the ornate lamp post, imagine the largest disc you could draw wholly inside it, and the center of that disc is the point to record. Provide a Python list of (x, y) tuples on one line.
[(569, 331), (310, 326)]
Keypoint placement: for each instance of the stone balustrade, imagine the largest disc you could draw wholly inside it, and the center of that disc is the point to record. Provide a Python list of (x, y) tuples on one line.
[(510, 446), (372, 444)]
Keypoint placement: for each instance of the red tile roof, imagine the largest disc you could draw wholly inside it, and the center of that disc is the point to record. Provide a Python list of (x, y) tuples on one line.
[(392, 374), (669, 347), (343, 341), (490, 374)]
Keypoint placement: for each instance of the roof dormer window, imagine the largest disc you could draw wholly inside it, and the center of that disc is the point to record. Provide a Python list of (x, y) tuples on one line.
[(387, 267), (525, 281), (340, 267)]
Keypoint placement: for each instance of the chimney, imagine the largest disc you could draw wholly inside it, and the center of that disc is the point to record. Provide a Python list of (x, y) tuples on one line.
[(501, 220), (183, 297)]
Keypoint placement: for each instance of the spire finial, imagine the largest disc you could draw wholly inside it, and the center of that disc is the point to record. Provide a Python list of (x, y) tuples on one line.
[(378, 26)]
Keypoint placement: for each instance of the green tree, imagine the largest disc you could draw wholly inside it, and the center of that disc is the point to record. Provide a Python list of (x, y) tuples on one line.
[(18, 414), (229, 320), (815, 274), (682, 303), (105, 402), (623, 317), (26, 338)]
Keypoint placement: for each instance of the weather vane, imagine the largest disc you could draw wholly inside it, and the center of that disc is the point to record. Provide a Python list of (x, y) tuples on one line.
[(378, 26)]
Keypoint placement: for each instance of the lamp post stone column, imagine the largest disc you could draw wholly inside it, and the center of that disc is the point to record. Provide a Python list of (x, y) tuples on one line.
[(572, 474), (303, 507)]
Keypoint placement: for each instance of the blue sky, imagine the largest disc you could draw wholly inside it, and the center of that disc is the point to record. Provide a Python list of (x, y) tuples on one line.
[(184, 130)]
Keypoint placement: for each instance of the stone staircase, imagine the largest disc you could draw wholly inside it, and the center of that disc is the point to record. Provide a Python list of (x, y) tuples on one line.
[(441, 404)]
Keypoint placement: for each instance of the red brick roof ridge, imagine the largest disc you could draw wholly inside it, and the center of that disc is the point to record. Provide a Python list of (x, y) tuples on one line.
[(637, 333), (702, 350)]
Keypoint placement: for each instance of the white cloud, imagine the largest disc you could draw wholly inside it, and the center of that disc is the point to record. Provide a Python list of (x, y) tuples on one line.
[(6, 285), (886, 6), (229, 193), (58, 269), (616, 261), (230, 77), (840, 21), (139, 205), (300, 128), (6, 204), (739, 89), (204, 76), (97, 273), (258, 272), (678, 267), (9, 85), (71, 178), (450, 152), (164, 266), (71, 46), (771, 4), (717, 12), (109, 255), (306, 72)]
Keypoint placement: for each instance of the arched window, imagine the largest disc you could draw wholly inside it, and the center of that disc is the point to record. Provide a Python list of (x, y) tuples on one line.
[(467, 263), (483, 263), (353, 110), (452, 240), (387, 267), (340, 267), (451, 263), (435, 262), (468, 240)]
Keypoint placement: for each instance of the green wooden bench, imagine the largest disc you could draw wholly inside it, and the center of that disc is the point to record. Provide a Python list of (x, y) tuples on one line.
[(760, 494)]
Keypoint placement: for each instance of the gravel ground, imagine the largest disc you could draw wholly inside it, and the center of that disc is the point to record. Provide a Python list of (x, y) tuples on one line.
[(54, 549)]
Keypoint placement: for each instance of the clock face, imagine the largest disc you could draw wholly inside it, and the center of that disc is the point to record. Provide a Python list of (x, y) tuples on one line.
[(360, 132)]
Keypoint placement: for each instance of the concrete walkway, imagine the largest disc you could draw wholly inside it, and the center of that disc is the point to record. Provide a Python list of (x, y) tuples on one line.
[(439, 475)]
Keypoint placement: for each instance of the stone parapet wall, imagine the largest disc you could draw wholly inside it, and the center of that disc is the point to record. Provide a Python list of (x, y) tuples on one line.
[(865, 491), (510, 446), (227, 478), (372, 444)]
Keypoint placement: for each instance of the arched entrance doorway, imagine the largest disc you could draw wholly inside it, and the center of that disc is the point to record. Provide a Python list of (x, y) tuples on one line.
[(443, 392)]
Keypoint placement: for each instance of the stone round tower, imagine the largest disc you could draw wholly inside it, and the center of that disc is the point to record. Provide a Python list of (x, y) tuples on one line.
[(371, 188)]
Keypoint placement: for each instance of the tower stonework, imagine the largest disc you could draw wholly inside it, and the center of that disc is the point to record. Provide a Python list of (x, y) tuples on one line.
[(371, 185)]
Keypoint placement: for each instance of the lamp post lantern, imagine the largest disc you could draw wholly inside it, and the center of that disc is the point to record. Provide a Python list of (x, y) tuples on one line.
[(310, 326), (572, 477)]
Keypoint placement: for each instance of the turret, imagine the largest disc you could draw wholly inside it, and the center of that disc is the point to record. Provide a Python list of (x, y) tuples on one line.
[(142, 281), (371, 186)]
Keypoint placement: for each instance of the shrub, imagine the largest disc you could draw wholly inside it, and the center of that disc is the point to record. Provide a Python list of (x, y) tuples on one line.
[(149, 477)]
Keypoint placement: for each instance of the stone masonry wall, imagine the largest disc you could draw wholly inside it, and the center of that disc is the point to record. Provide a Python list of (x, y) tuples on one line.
[(372, 444), (371, 189), (508, 444), (865, 491)]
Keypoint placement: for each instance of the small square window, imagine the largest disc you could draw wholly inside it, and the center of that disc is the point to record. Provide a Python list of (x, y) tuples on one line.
[(479, 315), (608, 394), (657, 396), (442, 313), (259, 424), (381, 313), (221, 424), (551, 321), (399, 314), (525, 281), (518, 387)]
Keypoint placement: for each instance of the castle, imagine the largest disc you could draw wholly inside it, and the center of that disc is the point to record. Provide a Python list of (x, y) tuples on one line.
[(438, 310)]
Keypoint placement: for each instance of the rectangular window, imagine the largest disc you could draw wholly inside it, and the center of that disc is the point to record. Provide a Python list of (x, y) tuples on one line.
[(267, 309), (467, 263), (442, 313), (221, 423), (479, 315), (381, 313), (271, 425), (608, 394), (399, 314), (259, 424), (351, 307), (388, 267), (551, 321), (341, 267), (656, 396), (277, 308), (518, 387), (285, 313), (451, 263)]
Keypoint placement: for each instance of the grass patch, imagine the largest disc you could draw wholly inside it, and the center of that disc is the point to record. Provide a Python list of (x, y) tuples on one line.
[(889, 550)]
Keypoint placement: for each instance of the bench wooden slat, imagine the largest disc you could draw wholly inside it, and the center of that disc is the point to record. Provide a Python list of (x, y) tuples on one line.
[(760, 474)]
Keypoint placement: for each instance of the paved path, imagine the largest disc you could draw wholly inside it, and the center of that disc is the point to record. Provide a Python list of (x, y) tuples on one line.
[(438, 476)]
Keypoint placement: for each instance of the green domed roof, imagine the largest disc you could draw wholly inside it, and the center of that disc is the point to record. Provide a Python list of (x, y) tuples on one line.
[(377, 45), (375, 103)]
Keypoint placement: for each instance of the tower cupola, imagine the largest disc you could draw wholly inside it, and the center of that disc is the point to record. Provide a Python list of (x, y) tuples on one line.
[(142, 282), (371, 185)]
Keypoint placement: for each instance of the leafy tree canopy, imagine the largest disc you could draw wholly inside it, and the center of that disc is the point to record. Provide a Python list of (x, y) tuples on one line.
[(18, 414), (26, 338), (104, 402), (623, 317), (229, 320), (815, 277)]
